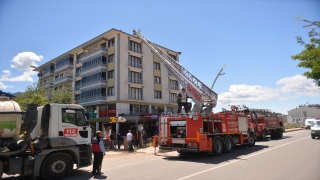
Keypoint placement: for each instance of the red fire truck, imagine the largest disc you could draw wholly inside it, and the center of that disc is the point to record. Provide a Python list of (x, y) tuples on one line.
[(201, 130)]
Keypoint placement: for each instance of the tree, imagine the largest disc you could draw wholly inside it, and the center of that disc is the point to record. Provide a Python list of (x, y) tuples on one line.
[(34, 94), (62, 96), (310, 57)]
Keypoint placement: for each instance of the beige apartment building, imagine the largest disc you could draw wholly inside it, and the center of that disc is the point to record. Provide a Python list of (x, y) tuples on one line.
[(113, 74)]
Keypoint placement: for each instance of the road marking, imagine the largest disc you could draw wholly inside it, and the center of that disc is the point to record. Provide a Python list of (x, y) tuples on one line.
[(246, 157), (124, 165)]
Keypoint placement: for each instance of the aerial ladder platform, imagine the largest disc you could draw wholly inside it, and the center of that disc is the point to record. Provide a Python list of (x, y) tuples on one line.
[(204, 98)]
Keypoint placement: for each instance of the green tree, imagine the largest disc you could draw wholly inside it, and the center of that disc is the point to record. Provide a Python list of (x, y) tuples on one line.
[(62, 96), (310, 57), (34, 94)]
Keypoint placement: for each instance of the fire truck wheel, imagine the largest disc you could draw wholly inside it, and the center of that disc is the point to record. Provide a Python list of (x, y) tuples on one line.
[(280, 133), (251, 141), (263, 135), (228, 145), (217, 147), (57, 166)]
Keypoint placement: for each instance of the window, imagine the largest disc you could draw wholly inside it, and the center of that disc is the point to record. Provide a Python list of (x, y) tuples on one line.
[(110, 91), (111, 43), (173, 56), (157, 80), (135, 62), (157, 94), (173, 84), (156, 65), (76, 118), (56, 77), (60, 87), (135, 47), (61, 76), (135, 77), (172, 97), (111, 58), (135, 93), (110, 74)]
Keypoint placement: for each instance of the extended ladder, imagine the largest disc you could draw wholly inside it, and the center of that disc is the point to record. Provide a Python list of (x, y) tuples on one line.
[(203, 96)]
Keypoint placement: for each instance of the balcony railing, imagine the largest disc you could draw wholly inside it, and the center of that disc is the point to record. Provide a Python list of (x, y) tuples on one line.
[(93, 100), (97, 81), (44, 74), (136, 65), (135, 97), (77, 88), (172, 101), (60, 80), (174, 87), (86, 69), (47, 85), (135, 80), (135, 49), (63, 67), (97, 50)]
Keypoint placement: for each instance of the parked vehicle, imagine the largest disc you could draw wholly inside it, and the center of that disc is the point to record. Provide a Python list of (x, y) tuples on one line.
[(308, 123), (315, 129), (56, 136)]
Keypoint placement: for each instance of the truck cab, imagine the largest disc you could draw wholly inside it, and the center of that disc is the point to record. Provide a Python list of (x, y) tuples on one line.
[(308, 123)]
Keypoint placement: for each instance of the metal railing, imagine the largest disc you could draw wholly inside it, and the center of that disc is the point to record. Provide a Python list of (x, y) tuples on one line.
[(86, 68), (63, 66), (136, 65), (174, 87), (86, 54), (135, 80), (93, 81), (135, 97), (135, 49)]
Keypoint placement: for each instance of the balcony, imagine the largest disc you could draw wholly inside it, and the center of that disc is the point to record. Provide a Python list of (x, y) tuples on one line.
[(45, 74), (47, 85), (93, 100), (64, 79), (78, 74), (101, 51), (135, 97), (135, 65), (96, 83), (98, 67), (173, 87), (63, 67), (77, 88), (135, 49), (135, 80)]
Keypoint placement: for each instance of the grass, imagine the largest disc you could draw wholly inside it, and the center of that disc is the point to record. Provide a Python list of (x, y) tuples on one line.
[(292, 126)]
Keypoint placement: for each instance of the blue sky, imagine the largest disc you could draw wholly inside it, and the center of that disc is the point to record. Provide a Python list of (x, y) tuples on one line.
[(255, 39)]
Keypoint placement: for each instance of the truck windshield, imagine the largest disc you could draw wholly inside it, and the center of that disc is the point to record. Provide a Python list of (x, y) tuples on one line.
[(76, 118), (316, 123)]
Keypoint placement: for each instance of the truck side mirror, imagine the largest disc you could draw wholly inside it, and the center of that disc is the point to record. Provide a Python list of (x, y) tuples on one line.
[(87, 116), (87, 123), (45, 116)]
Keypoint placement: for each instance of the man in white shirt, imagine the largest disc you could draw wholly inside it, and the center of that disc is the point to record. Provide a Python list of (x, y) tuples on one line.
[(129, 139), (182, 98)]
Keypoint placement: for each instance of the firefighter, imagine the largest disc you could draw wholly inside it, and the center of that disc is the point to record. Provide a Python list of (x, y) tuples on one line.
[(98, 153), (182, 99)]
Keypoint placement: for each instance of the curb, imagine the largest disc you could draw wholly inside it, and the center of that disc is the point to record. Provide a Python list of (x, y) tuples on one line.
[(294, 129)]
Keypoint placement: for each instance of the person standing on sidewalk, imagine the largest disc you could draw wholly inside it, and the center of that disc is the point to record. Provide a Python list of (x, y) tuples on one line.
[(98, 153), (129, 139), (119, 140)]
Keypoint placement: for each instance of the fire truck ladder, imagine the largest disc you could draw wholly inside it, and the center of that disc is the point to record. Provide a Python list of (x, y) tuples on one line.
[(205, 99)]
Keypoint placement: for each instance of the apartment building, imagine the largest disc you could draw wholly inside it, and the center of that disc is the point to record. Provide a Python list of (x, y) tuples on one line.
[(113, 73)]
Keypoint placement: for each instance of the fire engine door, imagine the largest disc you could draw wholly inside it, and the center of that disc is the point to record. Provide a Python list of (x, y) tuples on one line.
[(73, 125)]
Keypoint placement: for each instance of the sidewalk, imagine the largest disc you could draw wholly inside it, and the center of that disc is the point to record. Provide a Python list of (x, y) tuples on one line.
[(293, 129), (147, 150)]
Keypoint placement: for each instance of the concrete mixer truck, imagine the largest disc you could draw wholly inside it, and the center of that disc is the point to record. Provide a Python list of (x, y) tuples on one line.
[(43, 141)]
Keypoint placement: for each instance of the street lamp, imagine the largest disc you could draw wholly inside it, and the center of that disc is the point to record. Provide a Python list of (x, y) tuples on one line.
[(219, 74), (33, 67)]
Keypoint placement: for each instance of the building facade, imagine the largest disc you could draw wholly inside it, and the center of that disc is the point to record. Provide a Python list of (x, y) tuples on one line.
[(303, 112), (113, 74)]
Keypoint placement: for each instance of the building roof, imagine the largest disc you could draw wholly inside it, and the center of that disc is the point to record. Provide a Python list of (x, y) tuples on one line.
[(85, 44)]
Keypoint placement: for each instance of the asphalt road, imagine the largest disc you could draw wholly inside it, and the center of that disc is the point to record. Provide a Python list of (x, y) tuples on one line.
[(295, 157)]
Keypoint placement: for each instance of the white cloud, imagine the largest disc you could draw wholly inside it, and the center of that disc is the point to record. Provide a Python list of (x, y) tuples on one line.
[(242, 94), (290, 87), (21, 62), (298, 86)]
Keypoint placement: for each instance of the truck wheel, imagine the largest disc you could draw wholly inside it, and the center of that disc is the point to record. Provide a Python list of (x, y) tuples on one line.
[(280, 133), (57, 166), (251, 141), (217, 147), (263, 135), (313, 136), (228, 145)]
